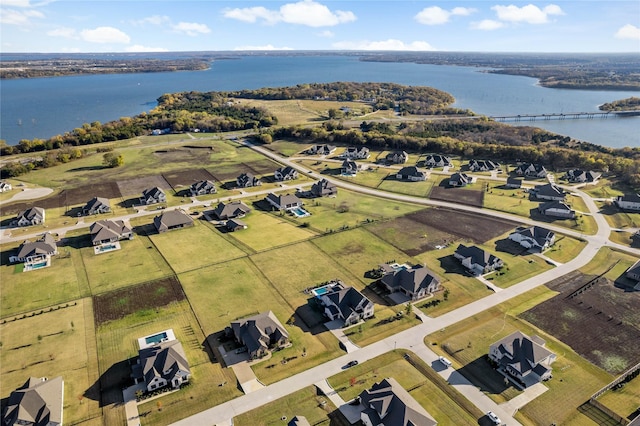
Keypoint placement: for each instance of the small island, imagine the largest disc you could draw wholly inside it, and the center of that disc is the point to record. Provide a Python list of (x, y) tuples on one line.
[(628, 104)]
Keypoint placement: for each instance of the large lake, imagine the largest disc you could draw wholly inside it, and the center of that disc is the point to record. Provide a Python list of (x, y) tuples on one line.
[(44, 107)]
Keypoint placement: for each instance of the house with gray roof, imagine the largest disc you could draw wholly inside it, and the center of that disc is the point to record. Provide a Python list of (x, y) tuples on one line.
[(299, 421), (415, 283), (202, 187), (231, 210), (397, 157), (461, 179), (477, 260), (531, 170), (96, 205), (38, 402), (172, 219), (523, 358), (534, 238), (153, 195), (321, 149), (549, 192), (346, 304), (162, 362), (482, 165), (324, 188), (633, 273), (388, 404), (628, 202), (283, 202), (411, 174), (349, 168), (557, 209), (259, 333), (246, 180), (30, 216), (285, 173), (513, 183), (582, 176), (437, 161), (37, 251), (236, 225), (109, 231), (356, 153)]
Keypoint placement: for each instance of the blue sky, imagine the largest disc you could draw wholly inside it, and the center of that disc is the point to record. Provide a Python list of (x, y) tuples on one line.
[(212, 25)]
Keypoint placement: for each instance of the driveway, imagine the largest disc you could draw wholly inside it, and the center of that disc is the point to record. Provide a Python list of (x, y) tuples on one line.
[(335, 327)]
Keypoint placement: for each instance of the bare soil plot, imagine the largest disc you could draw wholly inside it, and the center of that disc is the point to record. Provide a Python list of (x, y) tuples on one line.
[(470, 197), (601, 323), (186, 177), (188, 153), (68, 197), (135, 186), (120, 303)]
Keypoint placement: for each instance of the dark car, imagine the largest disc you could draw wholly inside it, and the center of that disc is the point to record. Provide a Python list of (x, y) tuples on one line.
[(352, 363)]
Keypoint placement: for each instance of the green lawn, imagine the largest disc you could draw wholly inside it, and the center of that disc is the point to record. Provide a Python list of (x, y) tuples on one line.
[(514, 201), (287, 148), (194, 247), (386, 322), (51, 344), (603, 189), (607, 258), (418, 189), (624, 400), (565, 249)]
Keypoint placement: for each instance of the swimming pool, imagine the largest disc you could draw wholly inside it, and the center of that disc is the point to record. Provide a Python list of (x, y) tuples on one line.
[(300, 212), (156, 338), (33, 266)]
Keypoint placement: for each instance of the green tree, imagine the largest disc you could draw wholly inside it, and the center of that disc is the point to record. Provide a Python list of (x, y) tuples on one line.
[(112, 159)]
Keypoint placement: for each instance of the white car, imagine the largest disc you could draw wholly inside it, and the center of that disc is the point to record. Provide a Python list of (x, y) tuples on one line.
[(445, 361), (494, 418)]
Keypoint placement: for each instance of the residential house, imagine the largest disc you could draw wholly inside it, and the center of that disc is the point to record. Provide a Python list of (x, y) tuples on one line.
[(411, 174), (477, 260), (349, 168), (322, 149), (109, 231), (96, 205), (283, 202), (513, 183), (628, 202), (30, 216), (356, 153), (416, 283), (299, 421), (202, 187), (482, 165), (235, 225), (172, 219), (534, 238), (557, 209), (461, 179), (346, 304), (246, 180), (38, 402), (549, 192), (633, 273), (37, 251), (523, 358), (388, 404), (582, 176), (324, 188), (231, 210), (285, 173), (397, 157), (153, 196), (531, 170), (162, 362), (5, 186), (259, 333), (437, 161)]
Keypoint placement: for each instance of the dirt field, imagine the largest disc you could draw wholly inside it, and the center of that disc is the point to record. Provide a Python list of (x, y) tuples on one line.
[(187, 177), (134, 187), (457, 195), (119, 303), (69, 197), (601, 323)]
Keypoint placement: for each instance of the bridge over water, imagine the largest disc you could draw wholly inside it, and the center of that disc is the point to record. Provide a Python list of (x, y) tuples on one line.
[(564, 116)]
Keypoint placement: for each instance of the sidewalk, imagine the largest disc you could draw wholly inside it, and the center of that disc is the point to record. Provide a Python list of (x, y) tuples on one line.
[(350, 412)]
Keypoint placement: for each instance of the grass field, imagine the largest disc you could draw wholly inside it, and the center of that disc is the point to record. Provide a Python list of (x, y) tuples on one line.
[(508, 200), (574, 379), (438, 404), (624, 400), (418, 189), (51, 344), (565, 249), (605, 188)]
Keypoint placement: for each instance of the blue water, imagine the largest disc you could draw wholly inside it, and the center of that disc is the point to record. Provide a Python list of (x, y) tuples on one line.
[(156, 338), (44, 107)]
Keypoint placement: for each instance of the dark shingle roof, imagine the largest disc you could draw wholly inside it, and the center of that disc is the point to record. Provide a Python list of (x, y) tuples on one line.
[(391, 405)]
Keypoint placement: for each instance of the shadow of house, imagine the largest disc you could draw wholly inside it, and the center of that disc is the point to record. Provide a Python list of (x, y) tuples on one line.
[(232, 184), (624, 283), (483, 376), (146, 229), (309, 318), (129, 203), (107, 389), (78, 242), (508, 246), (451, 265), (183, 193), (331, 172), (263, 205), (74, 212)]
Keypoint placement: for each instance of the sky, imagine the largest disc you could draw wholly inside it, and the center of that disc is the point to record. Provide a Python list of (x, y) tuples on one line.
[(85, 26)]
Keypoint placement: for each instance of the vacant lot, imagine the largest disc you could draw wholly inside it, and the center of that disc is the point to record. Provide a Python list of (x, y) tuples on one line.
[(134, 187), (51, 344), (471, 197), (180, 178)]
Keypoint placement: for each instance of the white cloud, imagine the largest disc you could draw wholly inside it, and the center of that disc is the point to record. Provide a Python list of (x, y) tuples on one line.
[(63, 32), (265, 47), (326, 34), (486, 25), (191, 28), (530, 13), (305, 12), (436, 15), (390, 44), (628, 32), (105, 35), (153, 20), (141, 48), (18, 17)]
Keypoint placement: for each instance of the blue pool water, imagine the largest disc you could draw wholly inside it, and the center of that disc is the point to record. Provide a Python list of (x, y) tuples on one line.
[(300, 212), (39, 265), (156, 338)]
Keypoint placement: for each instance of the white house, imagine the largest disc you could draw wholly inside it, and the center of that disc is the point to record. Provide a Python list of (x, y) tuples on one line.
[(5, 186), (534, 238), (284, 202), (628, 202), (31, 216)]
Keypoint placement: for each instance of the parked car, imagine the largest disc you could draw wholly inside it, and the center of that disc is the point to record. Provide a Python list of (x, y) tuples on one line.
[(445, 361), (352, 363), (494, 418)]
